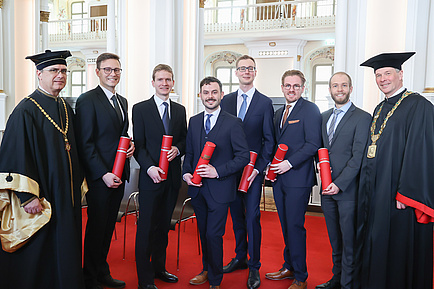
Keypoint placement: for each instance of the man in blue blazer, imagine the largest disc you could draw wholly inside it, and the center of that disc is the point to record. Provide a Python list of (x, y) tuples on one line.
[(256, 112), (101, 119), (157, 197), (211, 197), (297, 125), (345, 131)]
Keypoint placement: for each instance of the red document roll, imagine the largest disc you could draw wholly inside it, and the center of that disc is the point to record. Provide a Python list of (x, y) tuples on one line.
[(121, 156), (204, 159), (324, 165), (278, 157), (244, 184), (166, 145)]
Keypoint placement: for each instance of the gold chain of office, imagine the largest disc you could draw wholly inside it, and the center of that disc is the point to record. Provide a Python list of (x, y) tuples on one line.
[(63, 132), (372, 149)]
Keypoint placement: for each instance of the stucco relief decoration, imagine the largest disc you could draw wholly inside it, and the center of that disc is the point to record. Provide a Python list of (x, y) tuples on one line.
[(44, 16), (326, 52), (201, 3), (227, 56), (1, 4), (75, 61)]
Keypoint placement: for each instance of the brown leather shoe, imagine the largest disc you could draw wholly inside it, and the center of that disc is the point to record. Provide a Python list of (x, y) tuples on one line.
[(214, 287), (200, 279), (280, 275), (298, 285)]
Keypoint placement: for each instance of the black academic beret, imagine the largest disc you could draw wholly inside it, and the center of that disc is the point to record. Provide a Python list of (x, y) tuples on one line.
[(49, 57), (394, 60)]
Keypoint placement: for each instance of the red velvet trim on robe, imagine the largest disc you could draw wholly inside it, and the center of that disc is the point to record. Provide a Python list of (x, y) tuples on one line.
[(424, 214)]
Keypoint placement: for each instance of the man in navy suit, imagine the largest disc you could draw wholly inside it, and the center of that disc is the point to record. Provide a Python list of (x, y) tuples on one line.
[(102, 118), (211, 197), (152, 119), (297, 125), (256, 112), (345, 131)]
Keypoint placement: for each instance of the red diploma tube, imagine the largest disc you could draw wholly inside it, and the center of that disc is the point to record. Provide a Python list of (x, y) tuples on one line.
[(324, 165), (166, 145), (204, 159), (121, 156), (244, 184), (278, 157)]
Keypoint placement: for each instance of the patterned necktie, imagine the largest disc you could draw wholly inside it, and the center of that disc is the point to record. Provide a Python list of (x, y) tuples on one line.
[(208, 123), (243, 108), (117, 108), (165, 117), (285, 115), (331, 130)]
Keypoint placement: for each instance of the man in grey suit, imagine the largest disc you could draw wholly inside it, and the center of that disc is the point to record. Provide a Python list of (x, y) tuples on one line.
[(345, 131)]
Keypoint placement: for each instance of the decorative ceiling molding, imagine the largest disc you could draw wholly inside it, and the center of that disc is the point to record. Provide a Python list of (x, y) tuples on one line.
[(75, 61), (228, 56), (325, 52)]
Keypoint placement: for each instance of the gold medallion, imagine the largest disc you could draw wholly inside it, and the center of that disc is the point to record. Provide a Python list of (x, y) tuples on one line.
[(372, 149)]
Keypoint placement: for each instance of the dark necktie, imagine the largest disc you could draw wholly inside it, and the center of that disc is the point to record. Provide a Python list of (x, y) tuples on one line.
[(243, 108), (285, 115), (208, 123), (166, 117), (331, 130), (117, 108)]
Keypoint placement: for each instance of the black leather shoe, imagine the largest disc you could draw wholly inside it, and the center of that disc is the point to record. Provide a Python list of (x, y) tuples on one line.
[(331, 284), (235, 264), (166, 277), (108, 281), (152, 286), (254, 281)]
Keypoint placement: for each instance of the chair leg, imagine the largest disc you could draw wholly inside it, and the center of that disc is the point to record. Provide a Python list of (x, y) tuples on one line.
[(263, 194), (179, 240)]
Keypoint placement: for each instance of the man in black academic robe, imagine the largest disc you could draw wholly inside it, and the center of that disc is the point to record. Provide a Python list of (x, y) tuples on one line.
[(396, 199), (38, 159)]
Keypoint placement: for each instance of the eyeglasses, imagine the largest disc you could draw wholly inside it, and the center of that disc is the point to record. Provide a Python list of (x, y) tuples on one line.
[(244, 68), (108, 70), (295, 86), (56, 71)]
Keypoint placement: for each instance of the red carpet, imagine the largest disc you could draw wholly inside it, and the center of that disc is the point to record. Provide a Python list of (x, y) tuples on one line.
[(318, 255)]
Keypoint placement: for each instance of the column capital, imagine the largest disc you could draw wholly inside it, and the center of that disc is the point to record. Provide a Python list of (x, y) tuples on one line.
[(1, 4), (43, 15), (201, 3)]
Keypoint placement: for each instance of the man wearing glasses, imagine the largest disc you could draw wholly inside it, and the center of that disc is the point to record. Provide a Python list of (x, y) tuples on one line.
[(297, 125), (39, 167), (101, 116), (256, 112)]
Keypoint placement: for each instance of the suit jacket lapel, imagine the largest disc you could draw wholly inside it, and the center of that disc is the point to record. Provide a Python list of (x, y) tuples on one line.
[(324, 126), (155, 114), (251, 106), (293, 114), (341, 124), (107, 106)]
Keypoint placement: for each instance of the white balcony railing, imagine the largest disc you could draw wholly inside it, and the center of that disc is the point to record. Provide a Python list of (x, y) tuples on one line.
[(82, 29), (277, 15)]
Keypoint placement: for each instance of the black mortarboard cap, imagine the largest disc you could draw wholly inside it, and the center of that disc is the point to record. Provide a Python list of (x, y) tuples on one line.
[(49, 57), (394, 60)]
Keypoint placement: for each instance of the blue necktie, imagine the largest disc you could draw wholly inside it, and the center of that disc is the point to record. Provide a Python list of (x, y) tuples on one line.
[(166, 117), (208, 123), (331, 131), (243, 107)]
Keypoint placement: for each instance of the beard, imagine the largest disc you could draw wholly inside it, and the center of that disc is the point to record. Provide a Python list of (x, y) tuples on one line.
[(341, 101)]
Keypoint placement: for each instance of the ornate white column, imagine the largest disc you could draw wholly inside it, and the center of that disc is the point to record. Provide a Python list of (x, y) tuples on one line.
[(44, 16), (429, 75), (111, 26), (341, 35)]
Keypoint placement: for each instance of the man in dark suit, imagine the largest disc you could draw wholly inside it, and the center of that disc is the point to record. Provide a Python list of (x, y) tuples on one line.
[(345, 131), (102, 118), (211, 197), (256, 112), (152, 119), (297, 125)]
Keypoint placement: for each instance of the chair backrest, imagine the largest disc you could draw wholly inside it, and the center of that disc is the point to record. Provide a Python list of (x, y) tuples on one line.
[(188, 210)]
